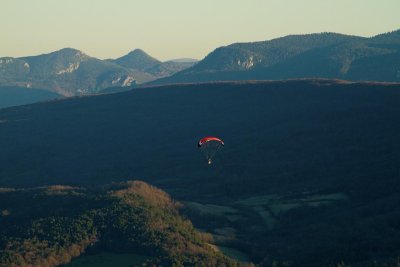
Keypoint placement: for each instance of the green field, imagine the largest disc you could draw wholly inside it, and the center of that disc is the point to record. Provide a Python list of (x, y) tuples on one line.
[(230, 213), (234, 254)]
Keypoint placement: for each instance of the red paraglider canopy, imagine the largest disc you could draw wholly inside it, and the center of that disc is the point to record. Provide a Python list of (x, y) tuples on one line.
[(209, 138)]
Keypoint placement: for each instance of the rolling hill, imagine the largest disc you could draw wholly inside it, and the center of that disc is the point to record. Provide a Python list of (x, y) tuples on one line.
[(322, 55), (309, 175)]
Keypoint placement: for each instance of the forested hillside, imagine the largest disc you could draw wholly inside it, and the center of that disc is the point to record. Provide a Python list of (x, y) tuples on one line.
[(319, 55), (49, 226)]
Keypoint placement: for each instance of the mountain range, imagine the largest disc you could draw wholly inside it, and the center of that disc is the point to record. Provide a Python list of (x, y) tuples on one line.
[(70, 72), (323, 55)]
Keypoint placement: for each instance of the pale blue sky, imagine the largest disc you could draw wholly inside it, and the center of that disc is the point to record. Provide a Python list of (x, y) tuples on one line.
[(168, 29)]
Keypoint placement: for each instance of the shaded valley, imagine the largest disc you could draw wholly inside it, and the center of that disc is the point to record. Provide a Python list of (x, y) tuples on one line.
[(308, 175)]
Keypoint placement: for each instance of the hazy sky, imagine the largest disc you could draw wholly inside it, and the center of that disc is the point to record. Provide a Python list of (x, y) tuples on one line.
[(168, 29)]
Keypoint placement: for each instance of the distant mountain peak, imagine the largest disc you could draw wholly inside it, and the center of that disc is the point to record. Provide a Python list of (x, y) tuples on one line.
[(141, 54), (137, 59), (138, 51), (70, 52), (66, 55), (67, 50)]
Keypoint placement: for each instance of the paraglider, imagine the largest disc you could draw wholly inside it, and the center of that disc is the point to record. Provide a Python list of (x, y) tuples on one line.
[(209, 146)]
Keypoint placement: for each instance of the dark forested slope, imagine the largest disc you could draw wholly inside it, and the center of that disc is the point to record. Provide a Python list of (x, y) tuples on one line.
[(15, 96), (275, 133), (309, 175)]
